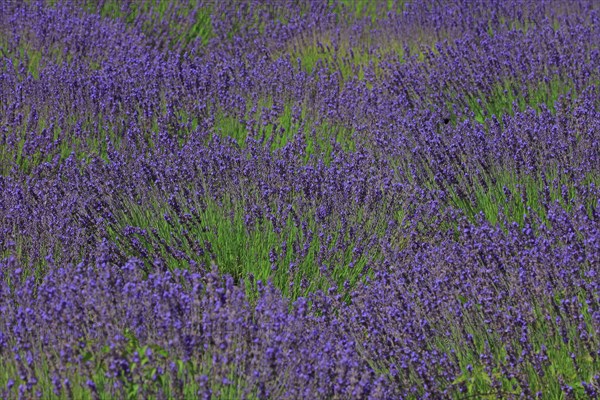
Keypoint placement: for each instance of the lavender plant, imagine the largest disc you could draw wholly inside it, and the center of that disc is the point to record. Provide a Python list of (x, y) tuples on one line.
[(328, 200)]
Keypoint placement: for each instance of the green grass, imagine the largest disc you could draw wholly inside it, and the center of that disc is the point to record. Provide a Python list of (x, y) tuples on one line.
[(504, 96), (347, 59), (369, 9), (35, 57), (318, 135), (92, 144), (146, 381), (216, 233), (570, 357), (196, 21), (515, 195), (31, 57), (582, 367)]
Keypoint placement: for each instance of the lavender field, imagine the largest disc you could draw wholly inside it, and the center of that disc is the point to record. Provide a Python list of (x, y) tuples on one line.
[(335, 199)]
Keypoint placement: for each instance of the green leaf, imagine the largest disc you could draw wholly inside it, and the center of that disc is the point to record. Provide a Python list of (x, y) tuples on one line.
[(485, 377), (88, 356), (180, 365), (460, 379), (159, 350), (133, 391), (470, 385)]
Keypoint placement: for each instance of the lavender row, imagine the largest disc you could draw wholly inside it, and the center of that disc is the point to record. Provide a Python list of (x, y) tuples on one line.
[(514, 301)]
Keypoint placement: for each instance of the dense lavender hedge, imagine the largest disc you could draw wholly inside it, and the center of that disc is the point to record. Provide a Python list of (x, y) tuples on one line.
[(277, 200)]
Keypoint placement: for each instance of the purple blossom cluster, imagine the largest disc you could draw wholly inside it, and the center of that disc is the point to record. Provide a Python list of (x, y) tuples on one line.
[(299, 200)]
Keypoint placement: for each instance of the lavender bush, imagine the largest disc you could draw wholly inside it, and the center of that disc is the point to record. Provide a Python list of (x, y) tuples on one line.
[(308, 200)]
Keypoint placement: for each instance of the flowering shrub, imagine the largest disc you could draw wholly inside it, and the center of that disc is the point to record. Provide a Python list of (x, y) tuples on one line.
[(272, 200)]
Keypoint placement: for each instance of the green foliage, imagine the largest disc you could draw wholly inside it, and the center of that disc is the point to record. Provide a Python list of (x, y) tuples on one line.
[(318, 135), (93, 144), (504, 97), (349, 60), (216, 233), (369, 9), (194, 19), (515, 195), (571, 361), (143, 377)]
